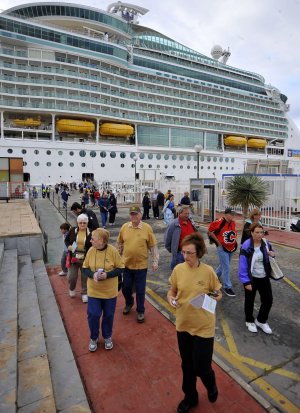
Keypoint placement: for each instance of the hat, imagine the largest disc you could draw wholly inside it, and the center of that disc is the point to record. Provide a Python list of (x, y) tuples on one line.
[(134, 210), (229, 211)]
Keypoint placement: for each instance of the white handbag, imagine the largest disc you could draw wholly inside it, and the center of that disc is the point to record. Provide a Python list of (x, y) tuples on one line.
[(276, 273)]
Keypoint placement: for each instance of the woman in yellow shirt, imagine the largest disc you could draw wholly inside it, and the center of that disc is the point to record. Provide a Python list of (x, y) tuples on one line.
[(103, 266), (195, 326)]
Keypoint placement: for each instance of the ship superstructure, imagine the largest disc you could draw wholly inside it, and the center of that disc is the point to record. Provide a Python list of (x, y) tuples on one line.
[(86, 91)]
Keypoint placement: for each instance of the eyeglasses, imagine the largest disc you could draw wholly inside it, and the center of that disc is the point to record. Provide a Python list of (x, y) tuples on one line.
[(188, 252), (82, 222)]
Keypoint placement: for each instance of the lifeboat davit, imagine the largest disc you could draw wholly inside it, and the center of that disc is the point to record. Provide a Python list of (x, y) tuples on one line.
[(116, 129), (235, 141), (29, 122), (75, 126), (256, 143)]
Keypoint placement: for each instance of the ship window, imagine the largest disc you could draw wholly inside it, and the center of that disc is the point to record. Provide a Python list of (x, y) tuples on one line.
[(36, 152), (142, 156), (174, 166), (122, 165), (232, 160), (208, 167), (166, 166), (157, 166), (215, 167), (202, 167), (202, 159), (181, 157), (158, 156), (150, 166), (188, 158), (60, 153), (132, 165), (71, 153), (226, 168), (60, 164), (36, 163), (24, 151), (72, 164), (227, 160), (9, 150), (221, 168), (48, 152), (93, 154), (113, 154), (150, 156), (174, 157), (122, 155), (166, 157), (83, 165), (48, 163), (82, 153), (103, 154), (141, 166), (221, 159), (188, 167), (24, 163), (195, 167), (132, 155), (181, 166)]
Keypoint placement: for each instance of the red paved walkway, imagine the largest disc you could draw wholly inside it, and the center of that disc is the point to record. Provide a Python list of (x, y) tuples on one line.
[(142, 373)]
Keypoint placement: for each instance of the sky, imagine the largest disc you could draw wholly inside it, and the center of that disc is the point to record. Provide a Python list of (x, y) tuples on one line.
[(263, 35)]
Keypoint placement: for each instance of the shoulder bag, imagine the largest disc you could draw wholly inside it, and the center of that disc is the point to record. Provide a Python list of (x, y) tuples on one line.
[(276, 273)]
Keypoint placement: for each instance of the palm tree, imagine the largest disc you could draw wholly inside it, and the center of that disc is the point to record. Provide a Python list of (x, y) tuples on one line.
[(248, 191)]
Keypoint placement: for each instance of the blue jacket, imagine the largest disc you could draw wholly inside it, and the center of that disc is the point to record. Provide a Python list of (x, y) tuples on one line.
[(172, 235), (246, 255)]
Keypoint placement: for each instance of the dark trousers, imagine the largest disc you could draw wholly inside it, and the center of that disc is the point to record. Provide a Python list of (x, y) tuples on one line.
[(263, 286), (146, 213), (112, 217), (97, 307), (155, 210), (177, 259), (196, 356), (63, 261), (137, 278)]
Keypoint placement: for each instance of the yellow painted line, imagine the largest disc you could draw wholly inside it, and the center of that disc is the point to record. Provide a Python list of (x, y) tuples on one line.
[(268, 367), (160, 300), (229, 337), (155, 282), (292, 284)]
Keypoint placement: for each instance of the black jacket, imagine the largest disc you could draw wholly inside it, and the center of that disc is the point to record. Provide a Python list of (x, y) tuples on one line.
[(93, 221)]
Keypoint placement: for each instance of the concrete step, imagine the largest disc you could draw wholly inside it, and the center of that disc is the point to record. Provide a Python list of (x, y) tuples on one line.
[(8, 331), (67, 385), (35, 391)]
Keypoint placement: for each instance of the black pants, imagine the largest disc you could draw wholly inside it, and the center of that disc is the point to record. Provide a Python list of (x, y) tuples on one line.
[(196, 356), (112, 217), (146, 213), (263, 286)]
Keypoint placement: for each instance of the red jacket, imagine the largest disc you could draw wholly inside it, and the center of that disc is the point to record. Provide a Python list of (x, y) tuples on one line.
[(227, 235)]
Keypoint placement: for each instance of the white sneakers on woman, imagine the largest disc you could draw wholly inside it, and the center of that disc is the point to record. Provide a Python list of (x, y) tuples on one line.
[(264, 326), (251, 327)]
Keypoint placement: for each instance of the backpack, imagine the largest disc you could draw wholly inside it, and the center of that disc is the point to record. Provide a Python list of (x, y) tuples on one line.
[(216, 232)]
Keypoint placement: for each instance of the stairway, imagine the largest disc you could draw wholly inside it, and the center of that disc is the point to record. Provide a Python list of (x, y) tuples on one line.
[(38, 372)]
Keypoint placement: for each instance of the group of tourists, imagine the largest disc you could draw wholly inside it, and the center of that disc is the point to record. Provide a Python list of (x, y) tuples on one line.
[(105, 269)]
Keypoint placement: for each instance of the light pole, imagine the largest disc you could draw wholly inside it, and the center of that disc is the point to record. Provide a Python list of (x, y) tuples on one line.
[(135, 158), (198, 149)]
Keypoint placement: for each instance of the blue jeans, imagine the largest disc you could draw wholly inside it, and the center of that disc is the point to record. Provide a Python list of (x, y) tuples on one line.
[(104, 218), (177, 259), (223, 270), (137, 277), (97, 307)]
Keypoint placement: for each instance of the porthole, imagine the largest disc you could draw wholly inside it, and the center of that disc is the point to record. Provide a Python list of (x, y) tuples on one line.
[(82, 153), (71, 153), (208, 167), (181, 166), (226, 168), (188, 167), (215, 159), (142, 156), (202, 167), (226, 159), (60, 153), (157, 166), (132, 155), (93, 154), (166, 166), (123, 155), (174, 166), (102, 165), (25, 163), (208, 159), (158, 156), (48, 152), (36, 152), (195, 167), (9, 150), (141, 166), (24, 151), (221, 159), (232, 160), (181, 157), (113, 154), (166, 157), (202, 158), (103, 154), (215, 167), (174, 157), (150, 166), (36, 163), (122, 165), (60, 164), (83, 165), (221, 168), (71, 164), (150, 156), (188, 157), (48, 163), (132, 165)]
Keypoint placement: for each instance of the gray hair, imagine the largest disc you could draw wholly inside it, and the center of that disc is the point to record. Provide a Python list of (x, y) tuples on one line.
[(82, 218), (182, 207)]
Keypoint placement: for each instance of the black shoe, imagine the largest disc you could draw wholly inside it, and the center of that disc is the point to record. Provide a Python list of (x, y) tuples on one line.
[(213, 394), (185, 405), (127, 309), (229, 292)]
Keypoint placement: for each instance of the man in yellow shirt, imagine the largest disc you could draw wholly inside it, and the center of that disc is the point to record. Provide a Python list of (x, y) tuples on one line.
[(135, 240)]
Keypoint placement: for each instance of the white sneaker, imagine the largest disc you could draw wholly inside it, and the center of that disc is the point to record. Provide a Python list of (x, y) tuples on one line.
[(72, 293), (84, 298), (108, 344), (264, 326), (62, 273), (251, 327), (93, 345)]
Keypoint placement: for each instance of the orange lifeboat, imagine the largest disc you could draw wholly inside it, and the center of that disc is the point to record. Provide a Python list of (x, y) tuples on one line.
[(29, 122), (256, 143), (235, 141), (116, 129), (75, 126)]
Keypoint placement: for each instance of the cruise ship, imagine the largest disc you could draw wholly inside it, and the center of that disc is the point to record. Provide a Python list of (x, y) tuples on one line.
[(93, 94)]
